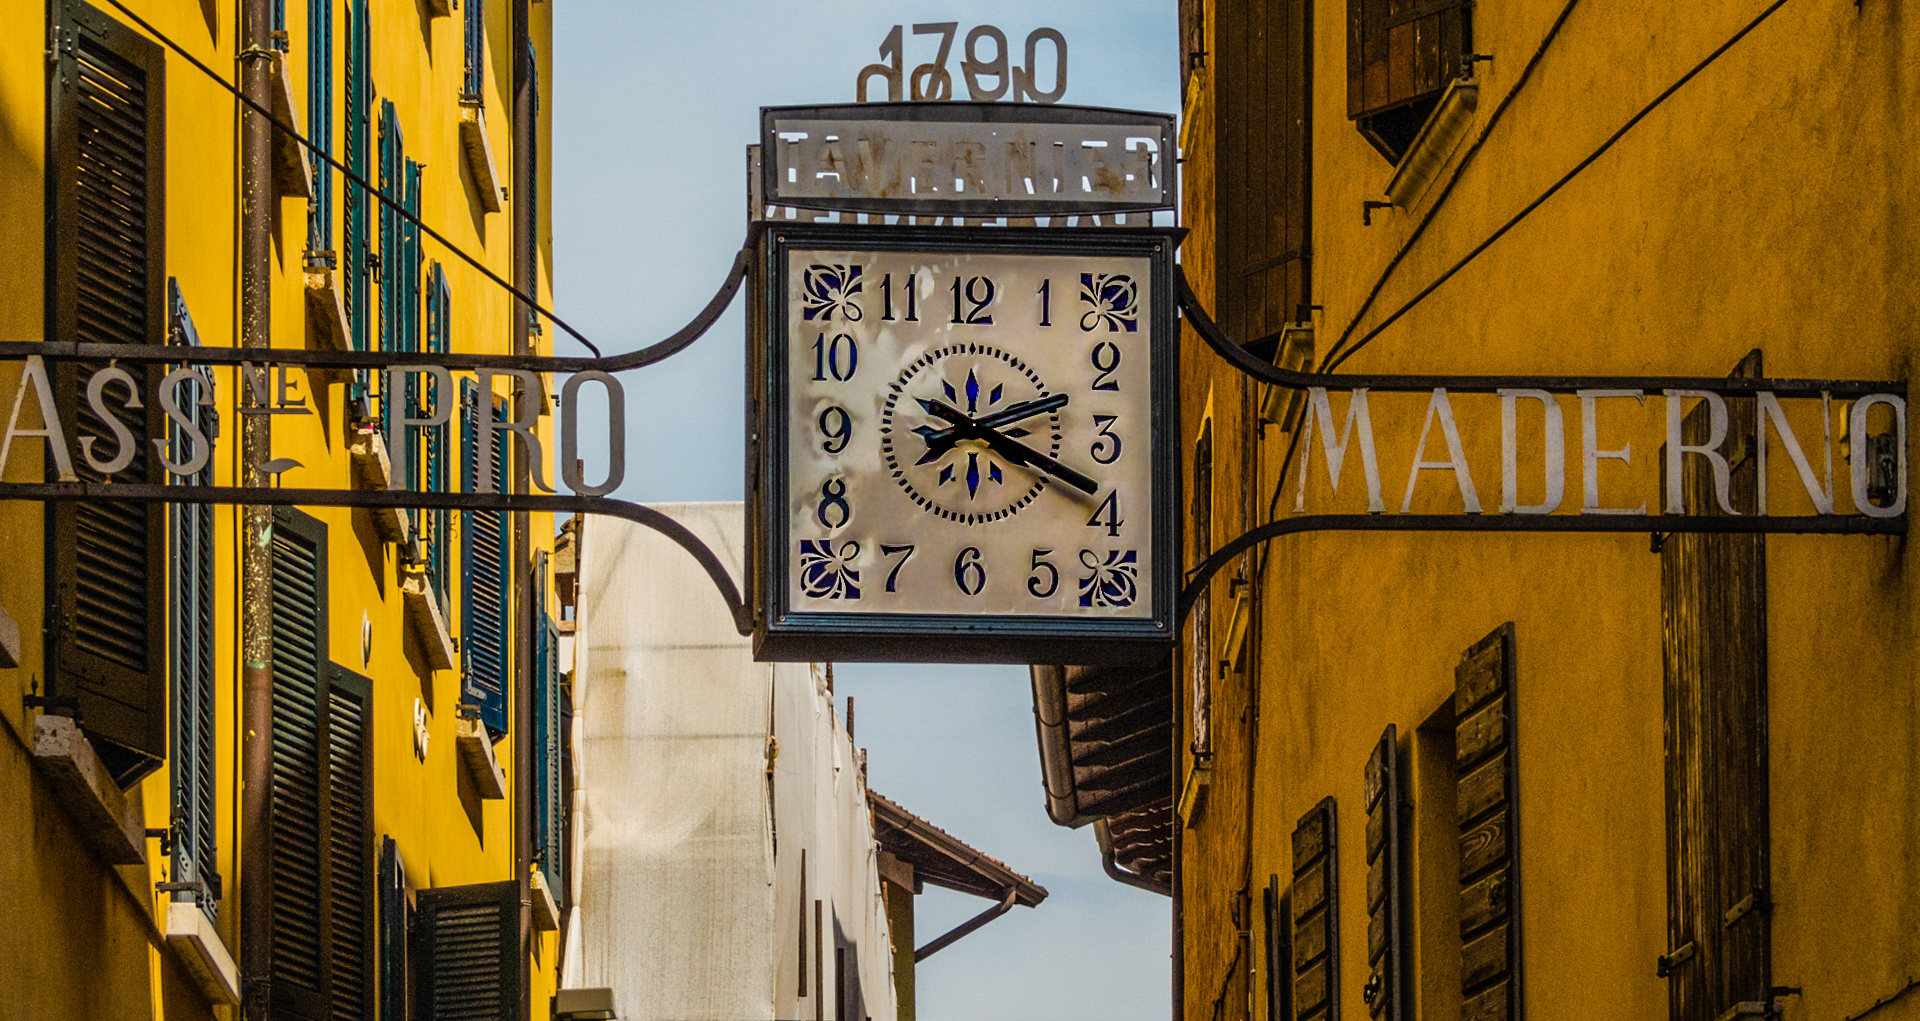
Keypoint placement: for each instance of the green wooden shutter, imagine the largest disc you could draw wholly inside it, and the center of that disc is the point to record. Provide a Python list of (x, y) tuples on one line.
[(484, 580), (1263, 167), (1488, 811), (191, 616), (1713, 608), (550, 837), (439, 521), (1316, 916), (320, 126), (359, 253), (300, 954), (476, 32), (1384, 994), (469, 960), (350, 878), (394, 927), (107, 285)]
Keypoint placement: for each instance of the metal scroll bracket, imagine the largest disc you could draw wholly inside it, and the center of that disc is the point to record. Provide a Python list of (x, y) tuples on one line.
[(1659, 524)]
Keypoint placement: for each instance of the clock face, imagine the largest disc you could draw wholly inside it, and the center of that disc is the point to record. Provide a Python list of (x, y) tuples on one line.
[(969, 434)]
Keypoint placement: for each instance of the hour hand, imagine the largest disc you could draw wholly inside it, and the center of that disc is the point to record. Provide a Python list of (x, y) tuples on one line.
[(939, 441), (1013, 450)]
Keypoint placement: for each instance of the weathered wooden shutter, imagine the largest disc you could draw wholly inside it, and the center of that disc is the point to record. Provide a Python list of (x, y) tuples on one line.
[(105, 259), (394, 927), (469, 948), (1713, 609), (191, 616), (1316, 916), (350, 879), (1489, 837), (300, 954), (320, 124), (1385, 994), (438, 528), (476, 33), (1279, 950), (484, 581), (1263, 167), (1202, 616), (1400, 56)]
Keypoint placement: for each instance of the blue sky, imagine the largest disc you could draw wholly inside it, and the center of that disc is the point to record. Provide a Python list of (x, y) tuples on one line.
[(653, 107)]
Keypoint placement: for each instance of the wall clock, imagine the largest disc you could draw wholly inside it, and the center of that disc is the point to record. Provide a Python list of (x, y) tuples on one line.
[(964, 444)]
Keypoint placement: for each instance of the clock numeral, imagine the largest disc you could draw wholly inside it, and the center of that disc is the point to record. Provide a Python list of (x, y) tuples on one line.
[(1106, 358), (1034, 585), (1046, 302), (1102, 452), (837, 426), (904, 552), (833, 511), (1107, 515), (968, 572), (979, 294), (886, 297), (828, 356)]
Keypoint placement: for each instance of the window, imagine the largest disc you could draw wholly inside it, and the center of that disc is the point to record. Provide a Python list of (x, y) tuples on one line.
[(469, 951), (476, 51), (107, 662), (1434, 924), (323, 879), (396, 923), (1263, 165), (1400, 56), (485, 578), (191, 613), (320, 129), (1276, 911)]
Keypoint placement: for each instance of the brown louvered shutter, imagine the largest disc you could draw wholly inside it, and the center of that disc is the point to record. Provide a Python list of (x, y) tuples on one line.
[(469, 938), (1713, 608), (350, 872), (1386, 879), (1316, 916), (1279, 952), (1487, 807), (1400, 56), (107, 285), (1263, 161)]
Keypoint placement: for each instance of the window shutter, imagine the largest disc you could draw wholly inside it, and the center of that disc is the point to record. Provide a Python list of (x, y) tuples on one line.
[(1316, 916), (191, 615), (394, 926), (350, 880), (359, 114), (1713, 608), (391, 254), (470, 944), (106, 250), (552, 807), (439, 341), (1384, 994), (320, 122), (300, 954), (1263, 163), (476, 31), (1400, 56), (483, 619), (1202, 616), (1489, 838), (1279, 950)]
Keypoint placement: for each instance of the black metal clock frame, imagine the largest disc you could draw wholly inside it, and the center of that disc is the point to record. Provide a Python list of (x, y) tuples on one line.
[(783, 633)]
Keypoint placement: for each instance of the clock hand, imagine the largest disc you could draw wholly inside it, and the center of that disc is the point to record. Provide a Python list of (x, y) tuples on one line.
[(939, 441), (1009, 448)]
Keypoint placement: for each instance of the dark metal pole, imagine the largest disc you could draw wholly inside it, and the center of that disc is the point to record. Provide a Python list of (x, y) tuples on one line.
[(256, 525), (526, 197)]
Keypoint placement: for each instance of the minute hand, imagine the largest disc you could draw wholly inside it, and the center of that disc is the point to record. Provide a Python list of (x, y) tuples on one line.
[(939, 441), (1011, 449)]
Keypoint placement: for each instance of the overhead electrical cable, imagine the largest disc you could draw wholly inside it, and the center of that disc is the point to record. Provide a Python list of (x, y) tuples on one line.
[(366, 185)]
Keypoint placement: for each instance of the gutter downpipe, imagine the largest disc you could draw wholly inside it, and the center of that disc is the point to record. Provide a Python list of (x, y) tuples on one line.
[(967, 927), (525, 277), (256, 526)]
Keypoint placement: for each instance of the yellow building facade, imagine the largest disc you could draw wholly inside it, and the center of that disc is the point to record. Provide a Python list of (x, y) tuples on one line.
[(312, 759), (1504, 775)]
